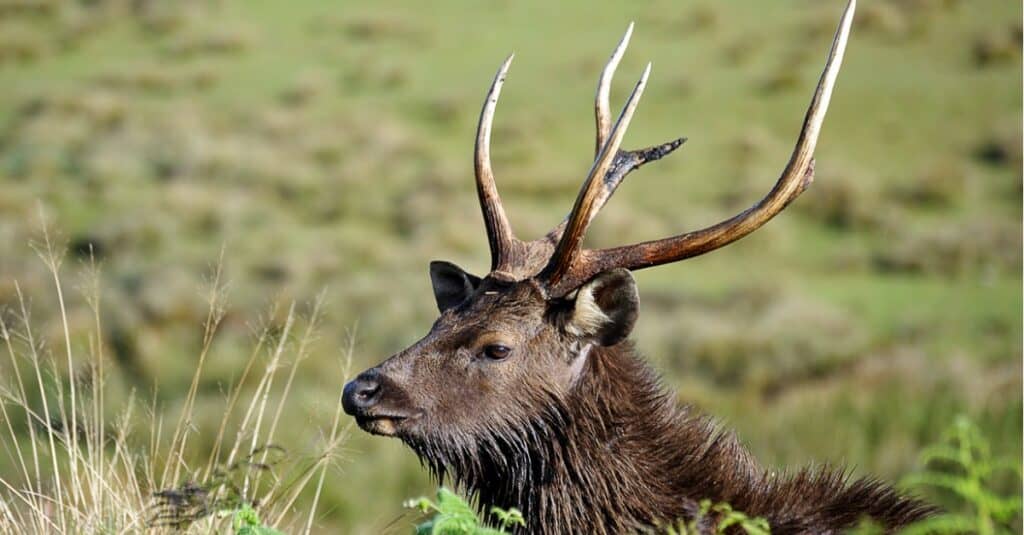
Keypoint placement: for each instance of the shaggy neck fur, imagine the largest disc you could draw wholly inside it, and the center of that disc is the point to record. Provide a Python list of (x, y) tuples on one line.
[(618, 454)]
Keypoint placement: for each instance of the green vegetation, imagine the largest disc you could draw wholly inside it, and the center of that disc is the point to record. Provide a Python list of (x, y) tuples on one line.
[(325, 145), (979, 493), (451, 515), (963, 465), (247, 522), (75, 471), (726, 518)]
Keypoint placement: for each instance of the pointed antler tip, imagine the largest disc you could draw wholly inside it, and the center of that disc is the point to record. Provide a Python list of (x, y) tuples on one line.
[(626, 35), (642, 82), (657, 152), (675, 143), (848, 13)]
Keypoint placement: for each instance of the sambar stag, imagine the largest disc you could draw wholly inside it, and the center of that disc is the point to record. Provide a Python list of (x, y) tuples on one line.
[(526, 392)]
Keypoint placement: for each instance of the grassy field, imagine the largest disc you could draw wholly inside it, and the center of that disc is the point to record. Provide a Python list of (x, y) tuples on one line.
[(327, 146)]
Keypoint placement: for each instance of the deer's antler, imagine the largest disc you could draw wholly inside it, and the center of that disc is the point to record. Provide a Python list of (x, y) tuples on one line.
[(499, 232), (559, 261), (587, 203), (624, 162), (570, 265), (507, 251)]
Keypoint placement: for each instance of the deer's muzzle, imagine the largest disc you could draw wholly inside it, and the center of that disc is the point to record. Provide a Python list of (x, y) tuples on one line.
[(364, 397)]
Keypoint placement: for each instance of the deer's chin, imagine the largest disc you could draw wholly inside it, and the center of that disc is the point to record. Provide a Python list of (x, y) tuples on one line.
[(385, 426)]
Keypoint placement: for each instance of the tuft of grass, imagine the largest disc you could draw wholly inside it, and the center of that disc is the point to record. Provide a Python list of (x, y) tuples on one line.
[(1001, 46), (981, 244), (80, 472)]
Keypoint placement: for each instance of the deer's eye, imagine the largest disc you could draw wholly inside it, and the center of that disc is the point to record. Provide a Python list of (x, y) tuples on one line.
[(497, 351)]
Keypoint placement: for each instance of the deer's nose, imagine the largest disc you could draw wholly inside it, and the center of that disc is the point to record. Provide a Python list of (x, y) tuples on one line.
[(361, 393)]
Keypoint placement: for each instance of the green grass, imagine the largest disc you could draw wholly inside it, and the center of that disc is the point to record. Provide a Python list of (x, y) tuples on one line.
[(330, 145), (76, 470)]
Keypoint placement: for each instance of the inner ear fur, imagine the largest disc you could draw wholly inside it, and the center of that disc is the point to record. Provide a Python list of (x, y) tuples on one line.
[(605, 308)]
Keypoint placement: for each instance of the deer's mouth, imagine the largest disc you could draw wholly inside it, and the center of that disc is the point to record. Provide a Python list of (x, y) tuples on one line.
[(386, 425)]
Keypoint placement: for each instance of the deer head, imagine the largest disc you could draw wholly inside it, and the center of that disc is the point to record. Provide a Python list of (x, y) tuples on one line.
[(508, 347)]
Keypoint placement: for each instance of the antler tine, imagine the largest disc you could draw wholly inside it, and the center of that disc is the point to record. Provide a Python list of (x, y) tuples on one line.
[(568, 246), (624, 163), (499, 232), (796, 177), (602, 110)]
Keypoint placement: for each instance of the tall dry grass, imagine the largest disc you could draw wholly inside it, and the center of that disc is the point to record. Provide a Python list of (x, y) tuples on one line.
[(81, 471)]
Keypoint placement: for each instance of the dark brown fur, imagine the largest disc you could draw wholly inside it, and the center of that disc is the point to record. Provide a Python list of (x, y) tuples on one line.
[(619, 455)]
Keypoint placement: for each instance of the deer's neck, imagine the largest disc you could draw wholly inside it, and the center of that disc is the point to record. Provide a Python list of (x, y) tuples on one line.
[(624, 455), (620, 455)]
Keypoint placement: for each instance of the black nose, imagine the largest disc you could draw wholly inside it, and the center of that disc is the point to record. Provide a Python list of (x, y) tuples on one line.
[(361, 393)]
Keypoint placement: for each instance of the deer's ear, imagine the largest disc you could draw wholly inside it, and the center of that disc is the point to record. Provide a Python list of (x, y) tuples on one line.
[(605, 308), (452, 285)]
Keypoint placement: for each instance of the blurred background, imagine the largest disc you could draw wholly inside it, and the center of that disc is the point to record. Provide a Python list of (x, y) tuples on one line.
[(327, 146)]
